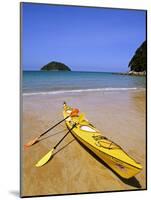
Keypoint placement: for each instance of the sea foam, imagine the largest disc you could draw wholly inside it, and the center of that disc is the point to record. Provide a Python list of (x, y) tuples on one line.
[(79, 91)]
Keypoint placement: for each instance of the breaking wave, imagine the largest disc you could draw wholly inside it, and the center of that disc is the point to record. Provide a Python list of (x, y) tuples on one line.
[(79, 91)]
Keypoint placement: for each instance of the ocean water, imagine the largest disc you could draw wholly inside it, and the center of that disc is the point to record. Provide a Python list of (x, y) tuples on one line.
[(42, 82)]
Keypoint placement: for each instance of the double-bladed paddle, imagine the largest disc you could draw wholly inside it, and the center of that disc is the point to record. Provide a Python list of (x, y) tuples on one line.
[(47, 157), (35, 140)]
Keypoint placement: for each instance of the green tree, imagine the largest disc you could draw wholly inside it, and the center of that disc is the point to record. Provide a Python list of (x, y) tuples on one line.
[(138, 62)]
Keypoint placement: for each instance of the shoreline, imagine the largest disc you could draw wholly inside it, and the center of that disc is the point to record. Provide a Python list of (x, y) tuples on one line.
[(131, 73)]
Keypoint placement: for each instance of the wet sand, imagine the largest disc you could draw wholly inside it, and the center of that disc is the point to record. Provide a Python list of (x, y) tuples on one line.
[(121, 116)]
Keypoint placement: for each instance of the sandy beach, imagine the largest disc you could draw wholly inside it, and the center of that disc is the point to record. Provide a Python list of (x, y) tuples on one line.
[(119, 115)]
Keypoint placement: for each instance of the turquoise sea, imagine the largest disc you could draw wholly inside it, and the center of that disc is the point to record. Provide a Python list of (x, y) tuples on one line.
[(42, 82)]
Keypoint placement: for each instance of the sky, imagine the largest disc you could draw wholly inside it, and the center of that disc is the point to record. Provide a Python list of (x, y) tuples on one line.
[(85, 39)]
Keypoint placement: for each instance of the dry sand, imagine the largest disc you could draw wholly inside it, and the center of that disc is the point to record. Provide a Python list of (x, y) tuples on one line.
[(121, 116)]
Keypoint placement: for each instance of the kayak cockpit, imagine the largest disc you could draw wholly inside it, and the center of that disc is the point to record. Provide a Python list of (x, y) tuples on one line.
[(87, 128)]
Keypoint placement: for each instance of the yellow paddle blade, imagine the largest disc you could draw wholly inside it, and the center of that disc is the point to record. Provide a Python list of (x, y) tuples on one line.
[(45, 159)]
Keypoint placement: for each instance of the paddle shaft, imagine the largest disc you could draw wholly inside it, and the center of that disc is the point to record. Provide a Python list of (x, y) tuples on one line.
[(64, 136), (54, 126)]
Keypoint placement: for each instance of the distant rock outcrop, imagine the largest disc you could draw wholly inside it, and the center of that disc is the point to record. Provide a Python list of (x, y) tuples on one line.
[(55, 66), (138, 62)]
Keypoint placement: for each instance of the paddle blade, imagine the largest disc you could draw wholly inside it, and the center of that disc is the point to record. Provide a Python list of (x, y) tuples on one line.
[(45, 159), (31, 142)]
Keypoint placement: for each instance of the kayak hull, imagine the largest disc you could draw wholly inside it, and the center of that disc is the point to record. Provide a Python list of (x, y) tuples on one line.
[(123, 169), (112, 154)]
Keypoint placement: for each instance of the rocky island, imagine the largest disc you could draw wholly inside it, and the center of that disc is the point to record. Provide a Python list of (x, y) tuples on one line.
[(55, 66)]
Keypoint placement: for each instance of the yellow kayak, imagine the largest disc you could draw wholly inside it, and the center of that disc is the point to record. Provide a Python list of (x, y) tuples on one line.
[(112, 154)]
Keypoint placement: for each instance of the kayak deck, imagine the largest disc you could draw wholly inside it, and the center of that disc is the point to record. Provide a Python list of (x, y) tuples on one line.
[(111, 153)]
